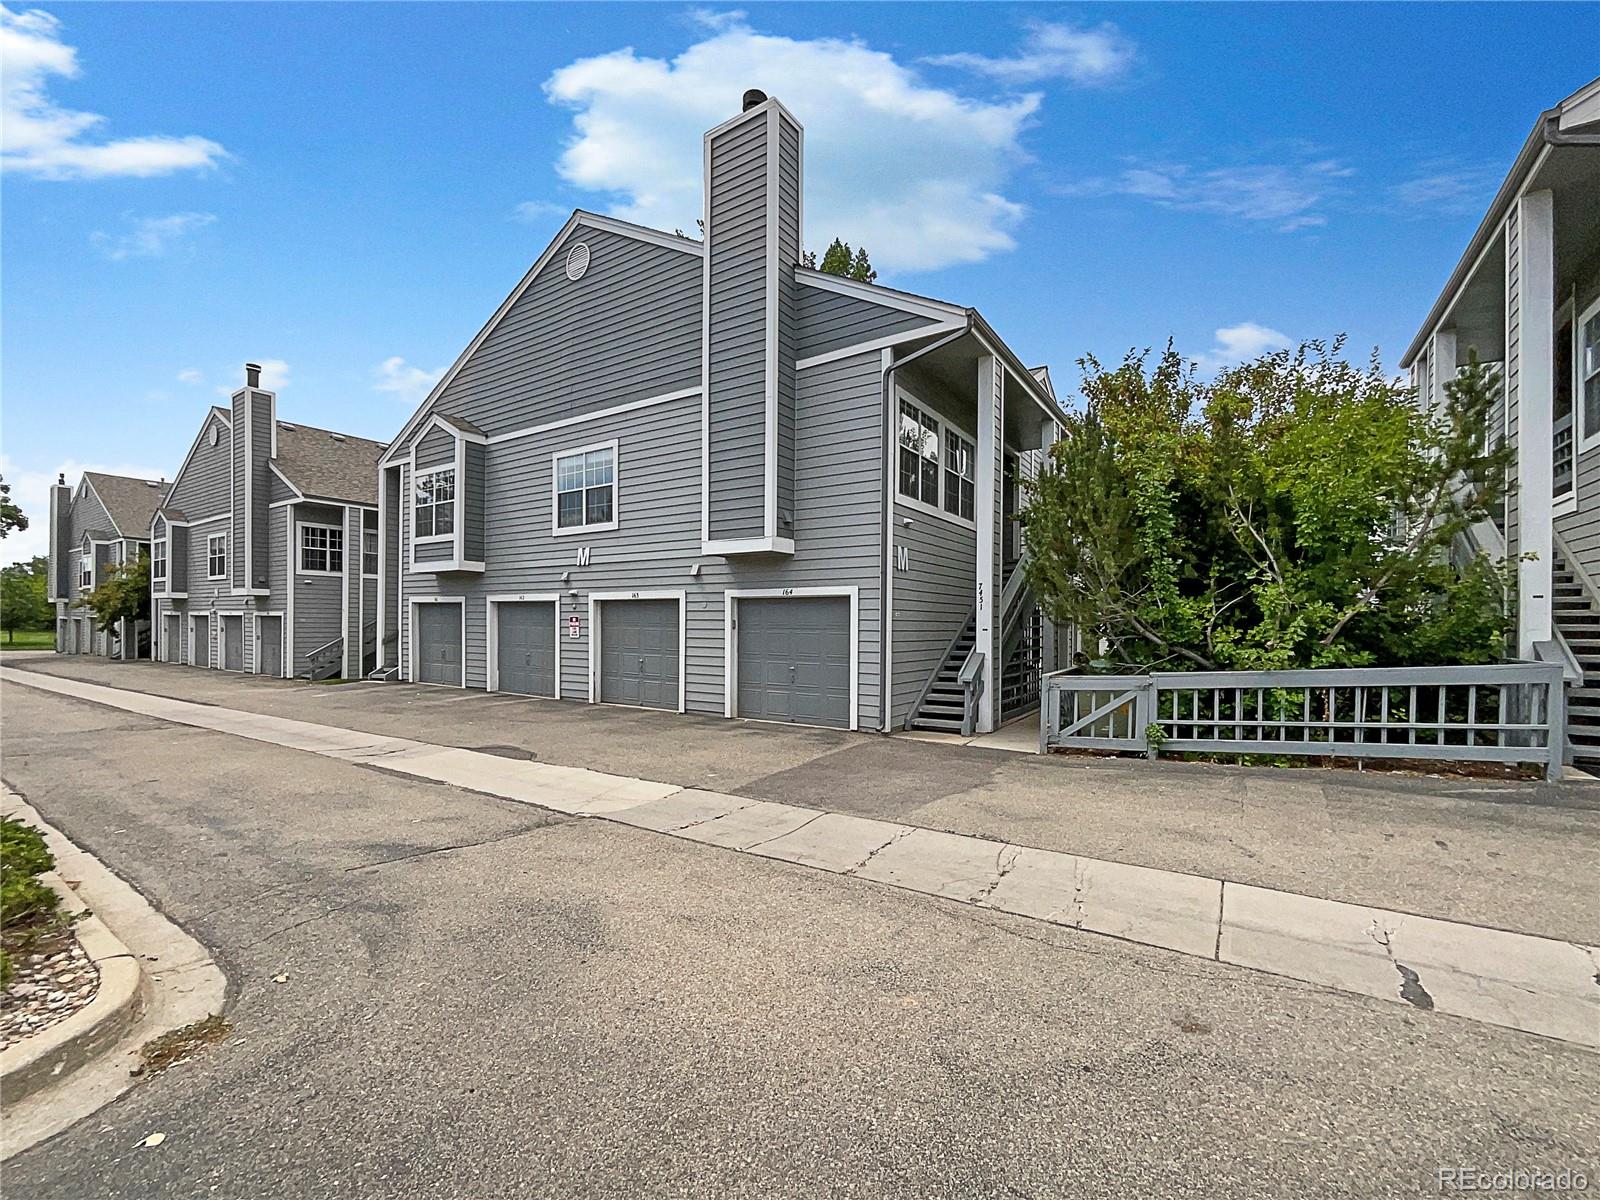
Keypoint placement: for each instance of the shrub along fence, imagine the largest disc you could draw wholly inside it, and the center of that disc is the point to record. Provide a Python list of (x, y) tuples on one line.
[(1499, 712)]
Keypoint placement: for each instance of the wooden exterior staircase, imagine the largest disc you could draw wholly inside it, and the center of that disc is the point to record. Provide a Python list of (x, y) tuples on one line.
[(1577, 618)]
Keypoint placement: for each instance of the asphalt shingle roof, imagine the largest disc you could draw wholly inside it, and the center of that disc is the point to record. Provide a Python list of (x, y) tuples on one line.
[(328, 465), (129, 502)]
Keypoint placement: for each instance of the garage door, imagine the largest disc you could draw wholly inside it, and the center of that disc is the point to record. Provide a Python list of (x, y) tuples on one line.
[(639, 653), (172, 638), (269, 646), (233, 643), (439, 644), (525, 648), (794, 660), (199, 643)]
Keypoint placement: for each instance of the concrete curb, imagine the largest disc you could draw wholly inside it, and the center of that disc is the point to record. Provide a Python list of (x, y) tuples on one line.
[(56, 1051)]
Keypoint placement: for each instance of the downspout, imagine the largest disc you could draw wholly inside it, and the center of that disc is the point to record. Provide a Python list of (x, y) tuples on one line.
[(886, 583)]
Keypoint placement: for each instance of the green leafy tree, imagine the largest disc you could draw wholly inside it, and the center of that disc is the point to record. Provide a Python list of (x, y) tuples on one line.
[(22, 597), (1296, 511), (11, 517), (840, 260), (123, 596)]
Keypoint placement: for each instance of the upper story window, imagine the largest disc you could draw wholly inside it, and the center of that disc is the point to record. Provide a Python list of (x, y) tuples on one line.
[(938, 465), (217, 556), (1588, 369), (369, 552), (321, 550), (86, 568), (585, 485), (433, 503), (158, 562)]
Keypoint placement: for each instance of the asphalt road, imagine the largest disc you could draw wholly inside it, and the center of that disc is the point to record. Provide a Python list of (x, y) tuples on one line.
[(483, 1000)]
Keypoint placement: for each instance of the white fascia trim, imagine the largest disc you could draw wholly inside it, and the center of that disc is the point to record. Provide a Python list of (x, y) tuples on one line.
[(491, 604), (1007, 360), (247, 564), (922, 306), (616, 490), (455, 431), (705, 343), (599, 415), (882, 343), (289, 631), (383, 565), (678, 594), (344, 597), (579, 217), (890, 475), (756, 545), (226, 516), (411, 631), (447, 564), (730, 656), (770, 390)]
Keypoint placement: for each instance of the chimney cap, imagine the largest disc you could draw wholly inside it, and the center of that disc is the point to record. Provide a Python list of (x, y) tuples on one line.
[(252, 374), (752, 98), (61, 479)]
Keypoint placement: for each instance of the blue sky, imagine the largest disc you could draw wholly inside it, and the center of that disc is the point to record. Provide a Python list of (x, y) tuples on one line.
[(346, 192)]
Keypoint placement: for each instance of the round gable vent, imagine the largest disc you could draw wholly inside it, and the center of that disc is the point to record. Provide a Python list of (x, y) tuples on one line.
[(211, 436), (577, 261)]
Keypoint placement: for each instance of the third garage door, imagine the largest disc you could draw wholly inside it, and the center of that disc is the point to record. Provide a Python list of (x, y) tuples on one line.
[(794, 659), (525, 648), (639, 653)]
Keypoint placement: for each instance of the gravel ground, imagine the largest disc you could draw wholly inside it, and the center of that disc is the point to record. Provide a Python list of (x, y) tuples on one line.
[(52, 979)]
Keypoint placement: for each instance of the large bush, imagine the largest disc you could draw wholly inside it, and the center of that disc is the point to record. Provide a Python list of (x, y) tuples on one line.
[(1297, 511)]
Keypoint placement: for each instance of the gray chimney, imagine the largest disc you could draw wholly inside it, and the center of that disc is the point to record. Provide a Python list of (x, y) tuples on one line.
[(252, 374), (753, 238)]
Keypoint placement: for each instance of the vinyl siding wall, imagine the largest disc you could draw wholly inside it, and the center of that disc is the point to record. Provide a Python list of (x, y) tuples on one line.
[(1580, 529), (318, 599), (828, 321)]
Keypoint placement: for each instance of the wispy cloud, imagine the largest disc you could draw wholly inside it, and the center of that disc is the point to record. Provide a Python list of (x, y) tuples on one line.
[(151, 237), (880, 170), (535, 212), (1087, 57), (38, 137), (1446, 187), (1240, 343), (274, 375), (191, 375), (406, 383), (1288, 196)]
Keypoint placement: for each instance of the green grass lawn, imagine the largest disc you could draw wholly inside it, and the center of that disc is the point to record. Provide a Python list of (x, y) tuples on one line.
[(22, 639)]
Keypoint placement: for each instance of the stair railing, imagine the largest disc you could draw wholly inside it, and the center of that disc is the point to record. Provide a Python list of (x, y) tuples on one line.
[(938, 667), (971, 680), (325, 660)]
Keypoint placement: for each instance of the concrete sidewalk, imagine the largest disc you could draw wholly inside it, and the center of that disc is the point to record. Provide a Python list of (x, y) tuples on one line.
[(1539, 985)]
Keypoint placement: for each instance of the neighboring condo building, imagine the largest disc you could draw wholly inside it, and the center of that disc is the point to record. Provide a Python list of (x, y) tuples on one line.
[(264, 555), (95, 528)]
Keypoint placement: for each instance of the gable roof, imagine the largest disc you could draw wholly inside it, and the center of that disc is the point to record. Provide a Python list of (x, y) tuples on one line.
[(130, 502), (325, 465)]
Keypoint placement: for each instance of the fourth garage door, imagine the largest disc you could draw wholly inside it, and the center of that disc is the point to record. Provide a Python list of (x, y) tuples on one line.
[(639, 653), (525, 648), (794, 659)]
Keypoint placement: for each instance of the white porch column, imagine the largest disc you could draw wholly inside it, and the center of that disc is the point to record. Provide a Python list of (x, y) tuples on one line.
[(987, 485), (1530, 315), (1444, 366)]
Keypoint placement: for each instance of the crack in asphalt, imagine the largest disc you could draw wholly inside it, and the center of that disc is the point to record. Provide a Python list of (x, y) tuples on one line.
[(1411, 989)]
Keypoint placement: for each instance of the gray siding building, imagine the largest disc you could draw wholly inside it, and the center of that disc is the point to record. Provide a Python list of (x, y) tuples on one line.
[(699, 476), (264, 556), (94, 528)]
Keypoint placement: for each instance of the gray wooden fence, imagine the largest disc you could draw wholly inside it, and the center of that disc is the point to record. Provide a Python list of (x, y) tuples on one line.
[(1501, 712)]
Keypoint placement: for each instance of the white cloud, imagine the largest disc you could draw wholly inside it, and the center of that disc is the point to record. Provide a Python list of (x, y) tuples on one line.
[(30, 490), (410, 385), (1289, 196), (1448, 188), (913, 172), (536, 211), (1240, 343), (39, 137), (1086, 57), (274, 375), (191, 375), (151, 237)]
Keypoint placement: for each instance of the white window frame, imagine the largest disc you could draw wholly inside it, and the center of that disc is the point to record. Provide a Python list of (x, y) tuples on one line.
[(300, 548), (158, 560), (377, 558), (557, 529), (418, 473), (212, 538), (86, 567), (1590, 437), (944, 425)]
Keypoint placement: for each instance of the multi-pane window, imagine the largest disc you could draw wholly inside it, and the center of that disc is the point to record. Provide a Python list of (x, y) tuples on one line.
[(434, 503), (1563, 435), (321, 549), (919, 454), (86, 569), (158, 561), (217, 556), (586, 488), (1589, 369), (960, 463), (369, 552)]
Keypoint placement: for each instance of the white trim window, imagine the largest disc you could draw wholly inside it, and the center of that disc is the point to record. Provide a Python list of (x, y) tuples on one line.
[(158, 561), (937, 469), (960, 475), (1586, 371), (369, 551), (584, 489), (919, 454), (433, 504), (217, 556), (86, 568), (321, 550)]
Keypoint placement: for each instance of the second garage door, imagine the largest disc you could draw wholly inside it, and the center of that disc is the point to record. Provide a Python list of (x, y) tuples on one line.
[(439, 644), (639, 653), (794, 660), (525, 648)]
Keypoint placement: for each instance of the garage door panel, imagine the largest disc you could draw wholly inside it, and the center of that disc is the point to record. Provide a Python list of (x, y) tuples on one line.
[(525, 648), (439, 644), (794, 659), (639, 653)]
